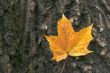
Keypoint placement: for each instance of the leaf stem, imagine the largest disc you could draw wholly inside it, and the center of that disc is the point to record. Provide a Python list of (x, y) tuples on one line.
[(64, 65)]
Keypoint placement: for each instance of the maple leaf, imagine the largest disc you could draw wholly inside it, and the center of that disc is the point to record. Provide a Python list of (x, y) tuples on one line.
[(69, 42)]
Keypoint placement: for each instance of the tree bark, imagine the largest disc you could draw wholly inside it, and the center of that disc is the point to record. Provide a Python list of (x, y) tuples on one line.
[(23, 24)]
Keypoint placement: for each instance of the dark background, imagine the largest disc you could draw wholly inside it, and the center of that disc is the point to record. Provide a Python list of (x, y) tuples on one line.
[(23, 23)]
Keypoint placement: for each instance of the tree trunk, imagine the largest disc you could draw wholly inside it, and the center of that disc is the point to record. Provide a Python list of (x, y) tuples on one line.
[(23, 24)]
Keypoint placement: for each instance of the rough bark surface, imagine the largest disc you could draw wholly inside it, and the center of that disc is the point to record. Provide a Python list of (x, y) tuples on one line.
[(23, 23)]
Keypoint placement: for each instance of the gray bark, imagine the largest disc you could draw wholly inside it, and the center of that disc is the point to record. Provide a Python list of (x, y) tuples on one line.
[(23, 23)]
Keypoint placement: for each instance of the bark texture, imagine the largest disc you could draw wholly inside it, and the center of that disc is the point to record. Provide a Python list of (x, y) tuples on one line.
[(23, 23)]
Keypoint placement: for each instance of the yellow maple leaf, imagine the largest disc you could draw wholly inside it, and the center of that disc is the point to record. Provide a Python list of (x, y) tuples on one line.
[(69, 42)]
